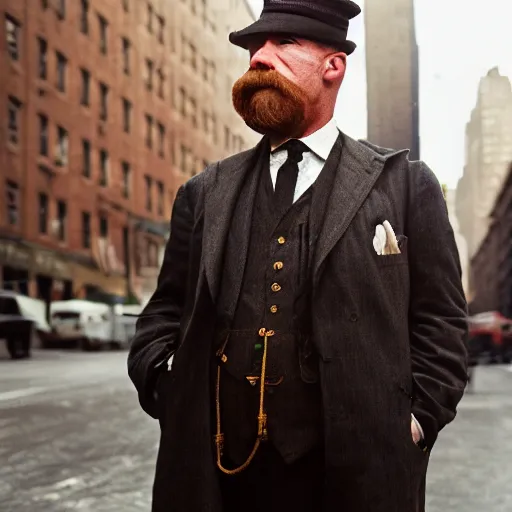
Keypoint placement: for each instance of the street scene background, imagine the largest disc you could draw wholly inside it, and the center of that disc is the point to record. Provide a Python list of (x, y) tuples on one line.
[(73, 438), (109, 106)]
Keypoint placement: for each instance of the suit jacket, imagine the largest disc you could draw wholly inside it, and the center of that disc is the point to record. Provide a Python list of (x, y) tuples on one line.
[(389, 330)]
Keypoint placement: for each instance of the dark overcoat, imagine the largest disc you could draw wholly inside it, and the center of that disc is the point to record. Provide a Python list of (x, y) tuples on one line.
[(389, 330)]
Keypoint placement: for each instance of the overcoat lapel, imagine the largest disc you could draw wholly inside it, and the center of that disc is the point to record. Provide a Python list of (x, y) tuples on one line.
[(358, 169), (220, 203)]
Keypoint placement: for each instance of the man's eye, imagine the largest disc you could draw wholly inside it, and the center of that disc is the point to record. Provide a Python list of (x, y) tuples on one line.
[(287, 41)]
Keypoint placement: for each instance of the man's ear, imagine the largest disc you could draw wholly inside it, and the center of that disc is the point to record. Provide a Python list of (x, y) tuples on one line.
[(335, 67)]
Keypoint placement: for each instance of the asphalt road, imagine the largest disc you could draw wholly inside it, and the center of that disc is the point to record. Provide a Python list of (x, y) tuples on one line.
[(72, 438)]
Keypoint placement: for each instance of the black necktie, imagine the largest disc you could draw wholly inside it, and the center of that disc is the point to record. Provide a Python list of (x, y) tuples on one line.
[(287, 174)]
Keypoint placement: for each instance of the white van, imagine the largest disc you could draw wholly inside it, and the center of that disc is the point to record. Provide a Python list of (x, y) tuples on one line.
[(92, 324), (81, 321)]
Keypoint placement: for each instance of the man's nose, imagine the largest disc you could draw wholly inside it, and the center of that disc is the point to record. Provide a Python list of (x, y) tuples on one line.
[(262, 58)]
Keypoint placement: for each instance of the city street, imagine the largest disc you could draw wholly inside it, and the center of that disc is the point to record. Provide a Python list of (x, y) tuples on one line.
[(72, 437)]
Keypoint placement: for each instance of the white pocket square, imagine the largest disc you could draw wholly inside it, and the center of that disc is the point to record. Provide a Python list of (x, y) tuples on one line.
[(384, 241)]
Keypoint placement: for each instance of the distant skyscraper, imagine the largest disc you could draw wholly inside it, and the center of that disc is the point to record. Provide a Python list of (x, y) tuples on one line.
[(392, 70), (488, 155)]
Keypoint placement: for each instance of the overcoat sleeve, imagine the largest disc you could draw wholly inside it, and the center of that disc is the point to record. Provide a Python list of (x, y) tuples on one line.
[(158, 327), (438, 309)]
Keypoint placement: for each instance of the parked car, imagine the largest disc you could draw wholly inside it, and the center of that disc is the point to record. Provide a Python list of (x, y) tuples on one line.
[(93, 325), (23, 323), (490, 336)]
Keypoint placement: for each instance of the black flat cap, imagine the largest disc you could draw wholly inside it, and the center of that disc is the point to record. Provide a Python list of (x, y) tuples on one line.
[(324, 21)]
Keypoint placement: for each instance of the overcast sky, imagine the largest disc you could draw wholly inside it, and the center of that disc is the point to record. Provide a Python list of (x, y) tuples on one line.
[(459, 41)]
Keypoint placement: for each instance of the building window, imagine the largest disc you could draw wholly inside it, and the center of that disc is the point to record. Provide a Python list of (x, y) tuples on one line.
[(186, 159), (205, 66), (43, 135), (161, 140), (103, 226), (12, 203), (103, 34), (84, 17), (103, 101), (150, 18), (214, 129), (183, 101), (61, 72), (43, 213), (86, 230), (204, 13), (86, 158), (161, 29), (104, 168), (62, 150), (12, 32), (13, 119), (126, 55), (149, 74), (61, 9), (160, 203), (62, 214), (213, 73), (227, 138), (85, 95), (127, 111), (125, 166), (193, 56), (193, 111), (161, 84), (149, 198), (149, 131), (42, 71)]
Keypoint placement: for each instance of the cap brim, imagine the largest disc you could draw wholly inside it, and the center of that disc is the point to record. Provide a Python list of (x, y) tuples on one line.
[(293, 25)]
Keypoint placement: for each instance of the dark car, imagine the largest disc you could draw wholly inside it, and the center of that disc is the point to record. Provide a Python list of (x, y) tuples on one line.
[(17, 333), (22, 323)]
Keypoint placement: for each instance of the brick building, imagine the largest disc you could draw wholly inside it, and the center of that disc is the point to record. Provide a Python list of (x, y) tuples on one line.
[(109, 106), (491, 266), (392, 75)]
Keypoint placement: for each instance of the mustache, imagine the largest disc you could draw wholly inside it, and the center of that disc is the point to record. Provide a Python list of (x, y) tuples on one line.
[(255, 79)]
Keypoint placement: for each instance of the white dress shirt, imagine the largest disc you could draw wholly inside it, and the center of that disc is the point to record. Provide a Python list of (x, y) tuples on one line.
[(320, 143)]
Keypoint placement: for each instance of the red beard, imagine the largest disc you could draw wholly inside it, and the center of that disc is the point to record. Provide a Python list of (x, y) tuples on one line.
[(269, 103)]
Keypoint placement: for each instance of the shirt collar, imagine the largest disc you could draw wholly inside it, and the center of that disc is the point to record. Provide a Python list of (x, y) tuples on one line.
[(322, 141)]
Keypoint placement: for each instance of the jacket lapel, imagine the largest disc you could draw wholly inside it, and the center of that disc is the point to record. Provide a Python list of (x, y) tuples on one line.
[(358, 169), (220, 203)]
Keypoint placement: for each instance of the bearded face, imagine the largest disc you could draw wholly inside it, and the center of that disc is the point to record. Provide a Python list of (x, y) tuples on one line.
[(269, 103)]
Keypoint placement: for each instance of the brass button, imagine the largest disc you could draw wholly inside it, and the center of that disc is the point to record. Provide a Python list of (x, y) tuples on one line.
[(281, 240), (278, 265), (273, 309), (276, 287)]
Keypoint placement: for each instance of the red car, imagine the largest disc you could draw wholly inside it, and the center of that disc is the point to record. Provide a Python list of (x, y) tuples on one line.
[(490, 333)]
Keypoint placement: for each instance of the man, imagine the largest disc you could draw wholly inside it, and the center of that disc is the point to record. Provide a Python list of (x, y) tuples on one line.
[(311, 296)]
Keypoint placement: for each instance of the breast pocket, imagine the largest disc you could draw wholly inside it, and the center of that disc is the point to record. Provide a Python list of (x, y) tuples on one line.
[(394, 259)]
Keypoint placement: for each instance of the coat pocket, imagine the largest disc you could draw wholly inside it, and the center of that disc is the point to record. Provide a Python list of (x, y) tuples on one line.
[(394, 259)]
